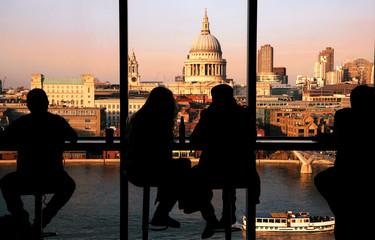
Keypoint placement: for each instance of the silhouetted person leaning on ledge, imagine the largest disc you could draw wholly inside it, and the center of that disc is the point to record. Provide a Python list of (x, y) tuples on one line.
[(348, 186), (148, 155), (225, 132), (39, 138)]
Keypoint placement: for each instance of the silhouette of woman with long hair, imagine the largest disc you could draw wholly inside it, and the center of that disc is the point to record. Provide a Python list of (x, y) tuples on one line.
[(148, 157)]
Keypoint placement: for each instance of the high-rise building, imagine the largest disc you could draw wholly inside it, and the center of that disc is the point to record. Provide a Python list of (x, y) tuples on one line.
[(320, 69), (327, 56), (266, 72), (265, 59)]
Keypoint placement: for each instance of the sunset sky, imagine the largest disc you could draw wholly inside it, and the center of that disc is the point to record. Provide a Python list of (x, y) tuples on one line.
[(72, 37)]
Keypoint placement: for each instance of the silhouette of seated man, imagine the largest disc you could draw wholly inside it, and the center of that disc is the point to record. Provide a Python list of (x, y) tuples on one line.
[(224, 131), (39, 138), (148, 155), (347, 186)]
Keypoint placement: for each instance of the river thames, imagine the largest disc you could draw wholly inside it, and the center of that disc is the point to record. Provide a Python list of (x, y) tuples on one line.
[(93, 211)]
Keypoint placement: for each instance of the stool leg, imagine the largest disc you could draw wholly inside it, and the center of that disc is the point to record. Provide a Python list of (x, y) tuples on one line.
[(227, 209), (250, 217), (145, 212), (38, 215)]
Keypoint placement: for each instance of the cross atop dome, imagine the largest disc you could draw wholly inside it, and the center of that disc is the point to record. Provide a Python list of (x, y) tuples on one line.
[(205, 24)]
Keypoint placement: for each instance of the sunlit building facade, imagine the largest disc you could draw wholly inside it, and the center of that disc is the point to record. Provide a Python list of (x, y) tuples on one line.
[(71, 92), (265, 60), (329, 58)]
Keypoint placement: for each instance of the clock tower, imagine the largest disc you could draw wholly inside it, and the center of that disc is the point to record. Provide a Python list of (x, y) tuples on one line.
[(133, 76)]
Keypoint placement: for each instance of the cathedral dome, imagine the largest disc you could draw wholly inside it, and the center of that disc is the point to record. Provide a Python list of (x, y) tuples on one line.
[(204, 63), (205, 43)]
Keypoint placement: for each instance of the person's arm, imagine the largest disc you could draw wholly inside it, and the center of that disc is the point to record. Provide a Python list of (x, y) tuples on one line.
[(340, 131), (8, 136), (196, 136), (70, 134)]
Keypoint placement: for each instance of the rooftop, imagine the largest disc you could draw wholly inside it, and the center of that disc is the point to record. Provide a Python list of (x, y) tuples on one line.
[(68, 81)]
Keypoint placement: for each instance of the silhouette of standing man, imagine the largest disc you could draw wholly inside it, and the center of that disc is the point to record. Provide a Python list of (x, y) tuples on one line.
[(39, 137), (348, 185), (225, 133)]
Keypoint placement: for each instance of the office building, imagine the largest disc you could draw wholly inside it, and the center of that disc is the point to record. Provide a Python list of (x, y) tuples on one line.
[(327, 56), (70, 92), (265, 59)]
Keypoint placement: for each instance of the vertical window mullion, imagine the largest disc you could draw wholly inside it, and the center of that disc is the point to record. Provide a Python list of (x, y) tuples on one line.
[(124, 187), (251, 102)]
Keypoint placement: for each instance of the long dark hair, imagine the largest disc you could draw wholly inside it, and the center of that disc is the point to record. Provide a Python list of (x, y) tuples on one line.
[(160, 104)]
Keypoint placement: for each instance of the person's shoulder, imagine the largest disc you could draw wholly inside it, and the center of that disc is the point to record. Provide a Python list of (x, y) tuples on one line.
[(22, 119), (55, 117), (243, 108), (205, 112), (243, 111), (343, 112)]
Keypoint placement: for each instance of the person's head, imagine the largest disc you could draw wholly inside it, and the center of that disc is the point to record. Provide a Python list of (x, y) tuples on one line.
[(37, 101), (162, 103), (222, 95), (362, 96)]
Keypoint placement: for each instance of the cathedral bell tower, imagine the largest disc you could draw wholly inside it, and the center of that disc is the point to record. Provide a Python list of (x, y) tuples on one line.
[(133, 75)]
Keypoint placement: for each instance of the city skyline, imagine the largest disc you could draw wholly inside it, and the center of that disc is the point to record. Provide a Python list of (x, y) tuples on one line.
[(69, 38)]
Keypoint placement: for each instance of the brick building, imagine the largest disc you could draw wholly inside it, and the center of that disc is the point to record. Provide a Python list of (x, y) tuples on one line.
[(300, 123), (88, 122), (360, 70)]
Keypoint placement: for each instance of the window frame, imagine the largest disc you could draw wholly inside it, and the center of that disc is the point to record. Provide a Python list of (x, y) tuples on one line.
[(261, 143)]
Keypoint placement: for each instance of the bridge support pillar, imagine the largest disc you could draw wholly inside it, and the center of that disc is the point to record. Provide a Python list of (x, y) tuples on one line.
[(306, 167)]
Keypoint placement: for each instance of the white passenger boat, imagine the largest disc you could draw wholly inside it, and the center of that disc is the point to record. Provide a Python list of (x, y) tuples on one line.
[(289, 222)]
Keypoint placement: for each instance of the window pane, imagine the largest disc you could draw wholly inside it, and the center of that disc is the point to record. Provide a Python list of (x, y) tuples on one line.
[(187, 53), (309, 59), (66, 48)]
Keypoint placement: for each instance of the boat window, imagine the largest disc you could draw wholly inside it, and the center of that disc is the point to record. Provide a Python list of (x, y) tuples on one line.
[(277, 220), (259, 220), (265, 220), (272, 220), (283, 220)]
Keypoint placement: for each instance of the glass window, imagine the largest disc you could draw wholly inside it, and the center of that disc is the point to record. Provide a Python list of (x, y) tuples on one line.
[(310, 74)]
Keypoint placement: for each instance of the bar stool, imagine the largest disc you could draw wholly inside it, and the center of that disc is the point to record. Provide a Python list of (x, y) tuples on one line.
[(227, 209), (38, 221), (146, 212)]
